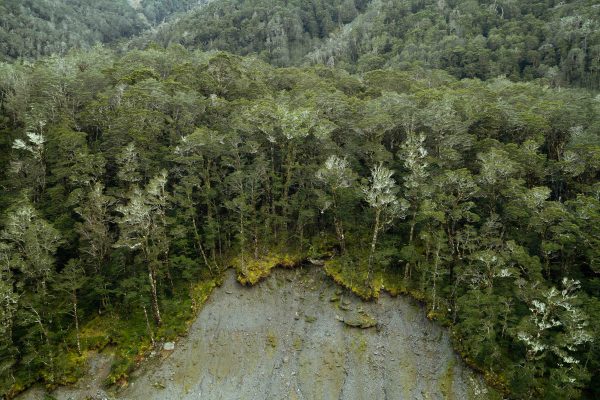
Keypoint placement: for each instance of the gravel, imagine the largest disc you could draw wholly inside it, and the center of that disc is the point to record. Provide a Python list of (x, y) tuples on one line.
[(289, 337)]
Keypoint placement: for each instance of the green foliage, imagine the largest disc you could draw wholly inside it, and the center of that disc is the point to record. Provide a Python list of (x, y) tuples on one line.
[(32, 28), (557, 42), (131, 183), (281, 33)]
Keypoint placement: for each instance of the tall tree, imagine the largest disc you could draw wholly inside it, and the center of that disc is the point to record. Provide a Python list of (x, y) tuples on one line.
[(381, 195)]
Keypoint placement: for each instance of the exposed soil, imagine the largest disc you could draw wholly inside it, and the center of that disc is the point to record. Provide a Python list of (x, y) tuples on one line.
[(289, 337)]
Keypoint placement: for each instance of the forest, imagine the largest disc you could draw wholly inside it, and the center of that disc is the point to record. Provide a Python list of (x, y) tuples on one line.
[(131, 179), (554, 41), (33, 28)]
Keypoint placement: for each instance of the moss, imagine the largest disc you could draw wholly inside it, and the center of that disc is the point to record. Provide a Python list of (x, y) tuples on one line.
[(447, 381), (272, 340), (310, 319), (252, 270), (298, 342), (359, 345), (353, 277), (362, 321)]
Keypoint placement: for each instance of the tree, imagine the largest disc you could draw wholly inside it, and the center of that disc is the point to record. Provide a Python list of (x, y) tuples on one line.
[(31, 243), (128, 163), (380, 194), (143, 226), (553, 333), (9, 303), (336, 176), (28, 244), (414, 156), (70, 280), (32, 167), (96, 238), (296, 126)]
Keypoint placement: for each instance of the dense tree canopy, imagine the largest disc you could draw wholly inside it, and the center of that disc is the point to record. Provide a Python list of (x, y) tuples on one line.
[(127, 177), (34, 28), (445, 149), (558, 41)]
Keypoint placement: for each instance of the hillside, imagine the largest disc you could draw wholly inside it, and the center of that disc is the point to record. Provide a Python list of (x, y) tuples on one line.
[(282, 33), (558, 42), (134, 179), (448, 151), (33, 28)]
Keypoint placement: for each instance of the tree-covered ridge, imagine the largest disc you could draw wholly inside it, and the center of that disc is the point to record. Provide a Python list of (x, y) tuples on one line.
[(34, 28), (128, 178), (282, 33), (523, 40)]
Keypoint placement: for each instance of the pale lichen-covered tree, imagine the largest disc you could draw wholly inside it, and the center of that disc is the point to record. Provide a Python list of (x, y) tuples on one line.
[(128, 162), (381, 195), (336, 175), (28, 245), (143, 228), (31, 243), (95, 236), (30, 167), (554, 332)]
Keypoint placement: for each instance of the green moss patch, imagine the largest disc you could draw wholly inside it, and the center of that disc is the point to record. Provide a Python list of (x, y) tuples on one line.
[(250, 270)]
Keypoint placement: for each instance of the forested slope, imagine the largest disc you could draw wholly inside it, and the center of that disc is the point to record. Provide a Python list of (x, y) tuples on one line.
[(282, 33), (130, 181), (558, 41), (34, 28), (445, 149)]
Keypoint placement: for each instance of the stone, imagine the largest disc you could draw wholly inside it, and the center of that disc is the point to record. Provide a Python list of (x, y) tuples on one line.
[(362, 321), (169, 346)]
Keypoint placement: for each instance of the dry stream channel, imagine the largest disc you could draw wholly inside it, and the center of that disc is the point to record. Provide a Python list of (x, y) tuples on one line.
[(286, 338)]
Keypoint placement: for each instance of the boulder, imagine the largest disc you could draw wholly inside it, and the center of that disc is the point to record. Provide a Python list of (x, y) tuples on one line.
[(169, 346)]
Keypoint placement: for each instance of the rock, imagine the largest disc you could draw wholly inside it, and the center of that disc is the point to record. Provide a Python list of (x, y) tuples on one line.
[(169, 346), (362, 321), (316, 262), (310, 319)]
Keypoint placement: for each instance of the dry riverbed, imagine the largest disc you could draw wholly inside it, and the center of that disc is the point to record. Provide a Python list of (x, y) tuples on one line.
[(289, 337)]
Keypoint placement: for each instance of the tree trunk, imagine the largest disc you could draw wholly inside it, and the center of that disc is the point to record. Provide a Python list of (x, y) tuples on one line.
[(287, 184), (76, 316), (339, 227), (373, 245), (413, 223), (148, 325), (339, 230), (155, 307), (198, 239), (242, 242), (435, 273)]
